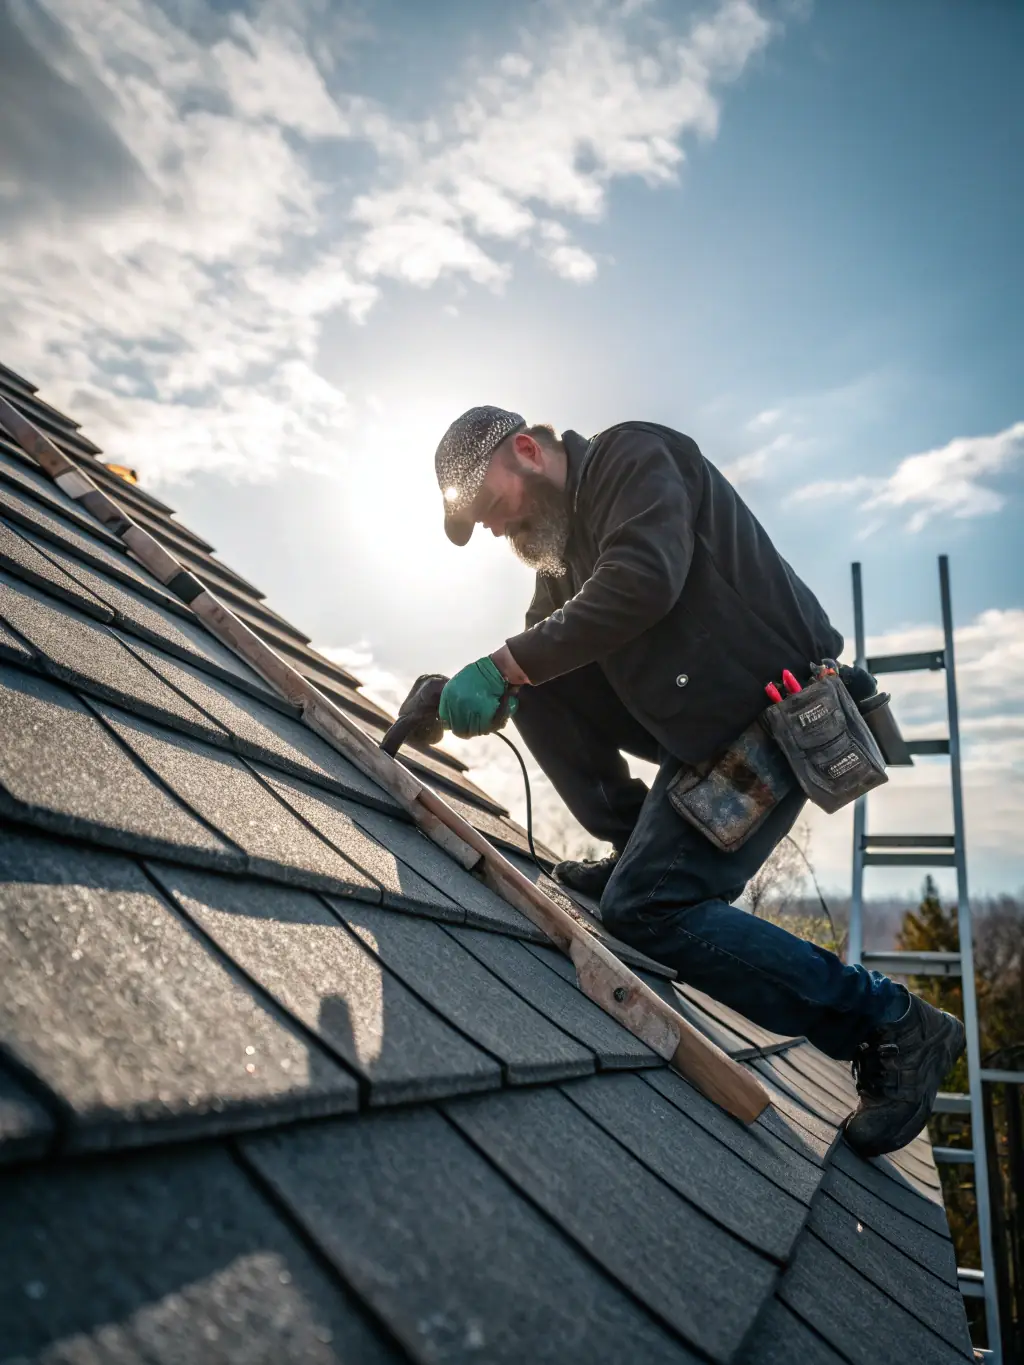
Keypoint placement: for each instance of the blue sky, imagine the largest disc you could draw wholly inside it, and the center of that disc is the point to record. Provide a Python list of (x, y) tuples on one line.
[(265, 253)]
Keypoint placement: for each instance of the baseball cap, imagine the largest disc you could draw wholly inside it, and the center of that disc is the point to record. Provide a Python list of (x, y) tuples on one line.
[(461, 460)]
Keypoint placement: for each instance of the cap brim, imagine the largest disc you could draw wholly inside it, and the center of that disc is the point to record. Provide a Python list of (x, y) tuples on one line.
[(458, 527)]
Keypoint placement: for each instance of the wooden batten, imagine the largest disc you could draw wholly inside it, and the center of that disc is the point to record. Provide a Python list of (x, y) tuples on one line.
[(601, 975)]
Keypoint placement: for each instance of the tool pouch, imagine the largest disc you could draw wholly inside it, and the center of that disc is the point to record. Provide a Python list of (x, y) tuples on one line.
[(729, 799), (830, 749)]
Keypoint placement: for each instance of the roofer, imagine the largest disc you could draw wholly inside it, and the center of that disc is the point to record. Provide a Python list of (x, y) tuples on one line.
[(661, 611)]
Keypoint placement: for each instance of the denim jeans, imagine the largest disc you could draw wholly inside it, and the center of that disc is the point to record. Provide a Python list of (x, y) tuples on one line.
[(670, 897), (670, 893)]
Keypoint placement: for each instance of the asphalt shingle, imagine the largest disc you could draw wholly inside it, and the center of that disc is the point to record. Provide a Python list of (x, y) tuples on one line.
[(332, 818), (227, 795), (861, 1322), (26, 1128), (469, 996), (291, 944), (127, 1016), (921, 1293), (562, 1002), (62, 770), (694, 1163), (256, 729), (171, 1261), (459, 1266), (796, 1171), (22, 559), (483, 908), (640, 1231), (780, 1338), (78, 650), (13, 647), (901, 1196), (933, 1250)]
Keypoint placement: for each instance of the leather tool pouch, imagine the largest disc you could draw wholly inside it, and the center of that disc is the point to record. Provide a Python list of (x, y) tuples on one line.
[(729, 799), (830, 749)]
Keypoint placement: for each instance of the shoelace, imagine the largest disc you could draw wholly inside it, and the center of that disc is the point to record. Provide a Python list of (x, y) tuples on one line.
[(875, 1069)]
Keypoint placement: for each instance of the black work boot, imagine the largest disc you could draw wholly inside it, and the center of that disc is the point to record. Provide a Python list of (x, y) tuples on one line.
[(898, 1072), (588, 876)]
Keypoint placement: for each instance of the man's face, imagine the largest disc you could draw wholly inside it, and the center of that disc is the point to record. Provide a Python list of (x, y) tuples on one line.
[(522, 504)]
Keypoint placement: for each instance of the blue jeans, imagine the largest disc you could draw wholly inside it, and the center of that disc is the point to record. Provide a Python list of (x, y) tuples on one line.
[(670, 897)]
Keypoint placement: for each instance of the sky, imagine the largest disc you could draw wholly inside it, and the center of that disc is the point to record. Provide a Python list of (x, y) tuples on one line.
[(265, 252)]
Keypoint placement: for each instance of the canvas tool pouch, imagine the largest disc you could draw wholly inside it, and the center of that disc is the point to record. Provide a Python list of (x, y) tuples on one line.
[(728, 799), (830, 749)]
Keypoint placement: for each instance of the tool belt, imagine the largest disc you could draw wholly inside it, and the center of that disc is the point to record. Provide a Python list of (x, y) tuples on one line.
[(815, 738)]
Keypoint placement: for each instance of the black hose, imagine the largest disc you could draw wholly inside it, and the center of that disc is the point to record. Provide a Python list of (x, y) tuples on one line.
[(529, 800)]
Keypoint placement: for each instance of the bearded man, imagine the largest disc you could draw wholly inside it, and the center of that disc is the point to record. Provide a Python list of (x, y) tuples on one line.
[(661, 610)]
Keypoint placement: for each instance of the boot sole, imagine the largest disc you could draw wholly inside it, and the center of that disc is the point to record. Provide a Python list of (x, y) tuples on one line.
[(955, 1042)]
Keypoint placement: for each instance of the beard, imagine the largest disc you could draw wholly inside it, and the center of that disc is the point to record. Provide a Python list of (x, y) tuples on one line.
[(541, 534)]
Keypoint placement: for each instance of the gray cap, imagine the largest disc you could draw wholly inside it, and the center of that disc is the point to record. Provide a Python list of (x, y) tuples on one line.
[(461, 461)]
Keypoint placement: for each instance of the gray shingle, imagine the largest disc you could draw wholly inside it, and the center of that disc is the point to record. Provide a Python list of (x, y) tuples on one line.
[(909, 1170), (860, 1321), (812, 1100), (21, 558), (62, 770), (901, 1196), (484, 909), (779, 1337), (797, 1126), (465, 993), (226, 794), (173, 1259), (460, 1267), (55, 522), (758, 1143), (695, 1164), (129, 1018), (295, 949), (931, 1249), (938, 1305), (828, 1076), (644, 1235), (726, 1038), (256, 729), (561, 897), (13, 647), (754, 1034), (26, 1128), (79, 650), (559, 1000), (332, 818)]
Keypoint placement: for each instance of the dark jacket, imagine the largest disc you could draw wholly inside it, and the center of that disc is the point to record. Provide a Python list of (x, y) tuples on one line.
[(673, 588)]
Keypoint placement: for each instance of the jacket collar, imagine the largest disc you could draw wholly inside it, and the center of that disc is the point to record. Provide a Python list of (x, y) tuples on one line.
[(576, 447)]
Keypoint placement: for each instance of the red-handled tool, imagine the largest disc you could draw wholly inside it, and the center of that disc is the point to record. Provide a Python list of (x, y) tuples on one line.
[(773, 692), (791, 684)]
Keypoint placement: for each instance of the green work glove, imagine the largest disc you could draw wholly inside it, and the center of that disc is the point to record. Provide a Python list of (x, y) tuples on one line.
[(471, 700)]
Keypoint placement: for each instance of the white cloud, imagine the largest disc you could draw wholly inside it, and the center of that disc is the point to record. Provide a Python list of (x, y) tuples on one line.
[(182, 326), (758, 462), (949, 479)]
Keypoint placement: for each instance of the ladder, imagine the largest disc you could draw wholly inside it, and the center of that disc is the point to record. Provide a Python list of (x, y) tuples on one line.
[(934, 850)]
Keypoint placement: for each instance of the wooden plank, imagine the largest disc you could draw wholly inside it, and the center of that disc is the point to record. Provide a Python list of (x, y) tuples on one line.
[(601, 975)]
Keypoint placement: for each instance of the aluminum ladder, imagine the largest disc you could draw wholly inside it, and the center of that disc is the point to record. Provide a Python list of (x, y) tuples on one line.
[(934, 850)]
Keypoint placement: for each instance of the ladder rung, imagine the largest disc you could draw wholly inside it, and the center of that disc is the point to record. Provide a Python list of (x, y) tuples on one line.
[(1003, 1077), (954, 1156), (971, 1282), (891, 961), (951, 1102), (908, 841), (931, 659), (928, 746), (910, 860)]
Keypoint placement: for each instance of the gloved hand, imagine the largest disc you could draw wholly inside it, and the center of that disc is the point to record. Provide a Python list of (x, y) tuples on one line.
[(471, 701)]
